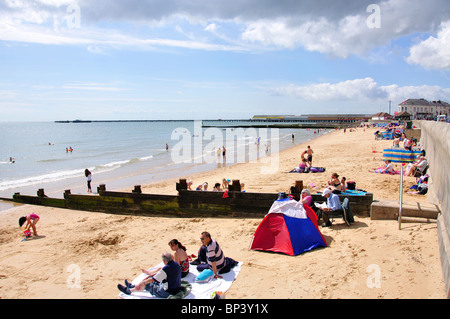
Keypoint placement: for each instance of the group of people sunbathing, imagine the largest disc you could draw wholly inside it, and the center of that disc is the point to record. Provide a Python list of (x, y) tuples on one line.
[(162, 282), (416, 168), (218, 187)]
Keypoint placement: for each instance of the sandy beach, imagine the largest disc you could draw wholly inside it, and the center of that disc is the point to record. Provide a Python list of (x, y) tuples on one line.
[(101, 250)]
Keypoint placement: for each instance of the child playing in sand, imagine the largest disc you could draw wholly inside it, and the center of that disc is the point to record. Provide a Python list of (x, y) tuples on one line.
[(30, 221)]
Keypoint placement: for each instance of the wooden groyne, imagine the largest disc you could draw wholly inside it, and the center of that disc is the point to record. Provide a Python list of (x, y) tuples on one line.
[(187, 203)]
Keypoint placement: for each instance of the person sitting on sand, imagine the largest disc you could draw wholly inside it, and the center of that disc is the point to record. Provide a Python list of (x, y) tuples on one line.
[(189, 185), (202, 187), (217, 187), (303, 166), (30, 221), (335, 184), (343, 184), (211, 256), (166, 282), (225, 183), (388, 168), (180, 256)]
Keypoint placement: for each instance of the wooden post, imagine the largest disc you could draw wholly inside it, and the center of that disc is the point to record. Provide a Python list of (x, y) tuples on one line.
[(137, 189), (101, 188), (236, 185), (40, 193), (299, 186), (181, 185), (67, 192)]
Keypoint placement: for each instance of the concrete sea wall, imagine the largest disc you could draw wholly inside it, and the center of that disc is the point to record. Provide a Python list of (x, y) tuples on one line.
[(435, 139)]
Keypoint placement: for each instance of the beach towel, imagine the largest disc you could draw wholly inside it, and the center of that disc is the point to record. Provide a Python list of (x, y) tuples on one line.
[(197, 290), (354, 192), (309, 170), (298, 170), (382, 170)]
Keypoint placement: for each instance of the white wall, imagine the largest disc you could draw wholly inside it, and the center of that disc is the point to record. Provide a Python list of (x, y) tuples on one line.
[(435, 139)]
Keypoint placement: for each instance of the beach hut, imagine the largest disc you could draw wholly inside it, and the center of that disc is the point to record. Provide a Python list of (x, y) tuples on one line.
[(289, 228)]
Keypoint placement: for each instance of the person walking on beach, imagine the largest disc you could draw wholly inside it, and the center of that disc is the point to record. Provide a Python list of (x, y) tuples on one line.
[(88, 175)]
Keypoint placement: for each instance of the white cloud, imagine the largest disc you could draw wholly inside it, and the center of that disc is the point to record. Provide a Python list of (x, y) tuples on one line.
[(434, 52), (98, 40), (351, 33), (361, 90), (316, 35), (334, 27), (93, 87), (358, 89), (212, 27)]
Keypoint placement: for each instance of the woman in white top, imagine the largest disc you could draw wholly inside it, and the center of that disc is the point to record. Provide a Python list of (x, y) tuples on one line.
[(88, 175)]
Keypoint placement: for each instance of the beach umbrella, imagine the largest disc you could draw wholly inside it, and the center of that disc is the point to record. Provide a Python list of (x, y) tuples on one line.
[(398, 155)]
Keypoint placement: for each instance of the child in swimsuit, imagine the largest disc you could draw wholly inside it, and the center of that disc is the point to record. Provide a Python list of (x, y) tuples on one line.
[(30, 221)]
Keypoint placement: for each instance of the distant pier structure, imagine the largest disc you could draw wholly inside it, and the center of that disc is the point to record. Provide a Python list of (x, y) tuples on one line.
[(293, 121), (269, 121)]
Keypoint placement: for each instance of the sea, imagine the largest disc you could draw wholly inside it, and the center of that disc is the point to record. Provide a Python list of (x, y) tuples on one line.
[(120, 154)]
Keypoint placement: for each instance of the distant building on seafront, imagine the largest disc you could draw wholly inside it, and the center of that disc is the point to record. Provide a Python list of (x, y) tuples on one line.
[(421, 109), (382, 116)]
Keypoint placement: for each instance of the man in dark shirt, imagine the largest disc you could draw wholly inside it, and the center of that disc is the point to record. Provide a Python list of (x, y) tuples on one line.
[(164, 283)]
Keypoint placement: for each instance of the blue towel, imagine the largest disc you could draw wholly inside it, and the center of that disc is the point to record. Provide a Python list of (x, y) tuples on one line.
[(354, 192)]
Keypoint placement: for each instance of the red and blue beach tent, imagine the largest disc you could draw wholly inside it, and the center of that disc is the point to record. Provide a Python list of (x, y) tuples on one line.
[(289, 228)]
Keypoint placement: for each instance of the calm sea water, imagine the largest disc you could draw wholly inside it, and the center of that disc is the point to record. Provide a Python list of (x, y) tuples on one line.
[(120, 154)]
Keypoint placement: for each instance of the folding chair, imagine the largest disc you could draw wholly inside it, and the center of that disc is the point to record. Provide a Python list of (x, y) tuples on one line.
[(346, 214), (418, 173)]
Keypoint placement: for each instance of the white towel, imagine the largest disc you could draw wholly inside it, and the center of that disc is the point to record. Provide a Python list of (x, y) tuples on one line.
[(198, 291)]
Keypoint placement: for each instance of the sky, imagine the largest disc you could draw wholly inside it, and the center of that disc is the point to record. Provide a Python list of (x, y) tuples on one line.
[(211, 59)]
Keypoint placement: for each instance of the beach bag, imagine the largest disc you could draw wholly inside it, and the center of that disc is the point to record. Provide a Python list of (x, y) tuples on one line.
[(205, 276), (351, 185)]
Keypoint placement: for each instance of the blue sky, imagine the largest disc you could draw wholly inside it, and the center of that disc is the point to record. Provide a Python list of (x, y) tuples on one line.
[(136, 59)]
